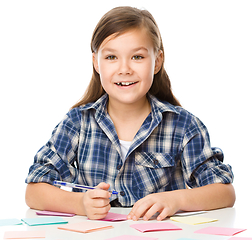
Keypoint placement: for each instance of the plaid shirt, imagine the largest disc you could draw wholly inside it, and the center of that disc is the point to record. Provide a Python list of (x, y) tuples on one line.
[(171, 149)]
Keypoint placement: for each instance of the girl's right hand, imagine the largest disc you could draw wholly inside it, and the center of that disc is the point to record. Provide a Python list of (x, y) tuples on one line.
[(96, 202)]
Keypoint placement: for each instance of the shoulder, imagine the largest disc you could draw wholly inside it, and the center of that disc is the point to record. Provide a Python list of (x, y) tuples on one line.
[(179, 113), (71, 120), (74, 115), (183, 120)]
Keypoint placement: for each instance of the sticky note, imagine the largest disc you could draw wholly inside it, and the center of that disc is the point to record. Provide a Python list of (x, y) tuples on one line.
[(220, 231), (24, 234), (157, 226), (188, 213), (193, 220), (44, 221), (85, 227), (50, 213), (11, 221), (114, 217), (131, 237)]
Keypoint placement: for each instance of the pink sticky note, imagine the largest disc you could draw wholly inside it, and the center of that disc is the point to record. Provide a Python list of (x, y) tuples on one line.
[(127, 237), (24, 234), (114, 217), (50, 213), (85, 227), (220, 231), (157, 226)]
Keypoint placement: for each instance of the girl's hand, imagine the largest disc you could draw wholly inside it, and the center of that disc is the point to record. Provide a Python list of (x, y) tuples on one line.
[(166, 203), (96, 202)]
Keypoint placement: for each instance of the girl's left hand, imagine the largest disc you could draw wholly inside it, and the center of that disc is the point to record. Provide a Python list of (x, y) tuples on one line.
[(166, 203)]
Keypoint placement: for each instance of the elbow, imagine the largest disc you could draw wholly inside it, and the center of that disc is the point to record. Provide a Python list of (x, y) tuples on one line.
[(28, 196), (231, 195), (31, 197)]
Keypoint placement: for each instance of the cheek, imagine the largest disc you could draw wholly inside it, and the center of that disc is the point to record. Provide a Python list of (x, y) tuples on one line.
[(148, 71), (105, 77), (104, 72)]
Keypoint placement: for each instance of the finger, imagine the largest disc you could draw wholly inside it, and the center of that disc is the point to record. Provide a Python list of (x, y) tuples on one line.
[(141, 208), (98, 213), (100, 202), (99, 193), (152, 210), (166, 212), (101, 210), (133, 210), (103, 185)]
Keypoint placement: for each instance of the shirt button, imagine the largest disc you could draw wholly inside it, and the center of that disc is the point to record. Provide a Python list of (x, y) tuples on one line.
[(118, 167), (122, 193), (155, 162)]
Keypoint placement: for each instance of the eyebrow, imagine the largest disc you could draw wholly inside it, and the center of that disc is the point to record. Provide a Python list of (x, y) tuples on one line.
[(133, 50)]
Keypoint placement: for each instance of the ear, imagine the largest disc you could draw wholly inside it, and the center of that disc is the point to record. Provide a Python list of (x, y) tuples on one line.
[(159, 61), (95, 62)]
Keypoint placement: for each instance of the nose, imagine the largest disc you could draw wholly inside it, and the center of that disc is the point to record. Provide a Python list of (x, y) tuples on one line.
[(124, 68)]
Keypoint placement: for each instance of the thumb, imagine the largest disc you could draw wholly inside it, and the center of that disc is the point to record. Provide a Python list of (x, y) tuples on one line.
[(103, 185)]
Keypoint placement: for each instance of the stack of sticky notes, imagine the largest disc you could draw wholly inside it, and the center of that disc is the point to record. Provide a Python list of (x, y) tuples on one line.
[(44, 221), (156, 226), (11, 221), (24, 234), (223, 231), (193, 220), (85, 227)]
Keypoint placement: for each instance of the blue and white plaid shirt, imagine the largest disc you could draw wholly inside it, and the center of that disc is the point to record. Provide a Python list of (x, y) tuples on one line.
[(171, 149)]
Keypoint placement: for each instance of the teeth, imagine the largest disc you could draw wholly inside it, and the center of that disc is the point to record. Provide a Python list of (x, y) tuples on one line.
[(125, 83)]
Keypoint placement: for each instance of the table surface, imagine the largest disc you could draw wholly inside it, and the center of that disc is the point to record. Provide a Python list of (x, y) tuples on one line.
[(228, 217)]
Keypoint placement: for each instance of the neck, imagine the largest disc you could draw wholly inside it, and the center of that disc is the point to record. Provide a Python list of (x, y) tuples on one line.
[(129, 111)]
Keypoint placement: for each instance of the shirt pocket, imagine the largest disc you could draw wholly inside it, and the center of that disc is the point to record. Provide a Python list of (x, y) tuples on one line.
[(152, 171)]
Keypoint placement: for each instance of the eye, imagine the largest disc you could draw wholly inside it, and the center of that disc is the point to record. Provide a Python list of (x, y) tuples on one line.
[(111, 57), (137, 57)]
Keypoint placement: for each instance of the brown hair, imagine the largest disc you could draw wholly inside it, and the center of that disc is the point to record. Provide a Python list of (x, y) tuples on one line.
[(118, 21)]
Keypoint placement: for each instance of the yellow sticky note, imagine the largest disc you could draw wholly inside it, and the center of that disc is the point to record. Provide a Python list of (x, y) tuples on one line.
[(193, 220)]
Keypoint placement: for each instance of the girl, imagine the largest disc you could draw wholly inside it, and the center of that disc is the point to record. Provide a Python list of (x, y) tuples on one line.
[(129, 133)]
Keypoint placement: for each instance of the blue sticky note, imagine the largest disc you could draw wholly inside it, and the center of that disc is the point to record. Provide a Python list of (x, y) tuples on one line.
[(44, 221), (10, 221)]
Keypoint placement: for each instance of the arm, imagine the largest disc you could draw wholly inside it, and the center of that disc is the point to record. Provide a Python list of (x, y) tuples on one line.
[(55, 161), (93, 203), (208, 197)]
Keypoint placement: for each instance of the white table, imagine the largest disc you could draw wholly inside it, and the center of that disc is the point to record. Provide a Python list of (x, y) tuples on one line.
[(229, 217)]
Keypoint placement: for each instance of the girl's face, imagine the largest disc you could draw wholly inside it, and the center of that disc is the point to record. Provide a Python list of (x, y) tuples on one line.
[(127, 64)]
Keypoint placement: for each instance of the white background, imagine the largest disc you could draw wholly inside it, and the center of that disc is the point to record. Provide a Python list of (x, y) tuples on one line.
[(45, 66)]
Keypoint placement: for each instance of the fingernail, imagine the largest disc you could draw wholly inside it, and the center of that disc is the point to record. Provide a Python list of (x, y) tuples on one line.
[(134, 218), (145, 218)]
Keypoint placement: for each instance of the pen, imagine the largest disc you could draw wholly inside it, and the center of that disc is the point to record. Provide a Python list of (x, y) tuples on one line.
[(72, 185)]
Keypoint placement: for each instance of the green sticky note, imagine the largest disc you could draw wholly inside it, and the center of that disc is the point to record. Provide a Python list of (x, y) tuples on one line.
[(10, 221), (44, 221)]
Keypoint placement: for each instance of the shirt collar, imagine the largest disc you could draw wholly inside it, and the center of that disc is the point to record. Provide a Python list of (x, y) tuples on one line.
[(100, 106), (161, 106)]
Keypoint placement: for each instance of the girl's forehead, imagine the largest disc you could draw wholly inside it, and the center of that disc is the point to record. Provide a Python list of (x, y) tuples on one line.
[(130, 38)]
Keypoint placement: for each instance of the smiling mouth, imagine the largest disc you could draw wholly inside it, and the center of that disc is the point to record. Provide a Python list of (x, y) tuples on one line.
[(125, 83)]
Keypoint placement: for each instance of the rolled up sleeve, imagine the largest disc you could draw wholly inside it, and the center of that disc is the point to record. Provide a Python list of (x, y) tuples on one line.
[(202, 164), (56, 160)]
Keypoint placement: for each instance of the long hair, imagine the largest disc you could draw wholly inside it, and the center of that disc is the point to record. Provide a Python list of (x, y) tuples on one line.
[(118, 21)]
